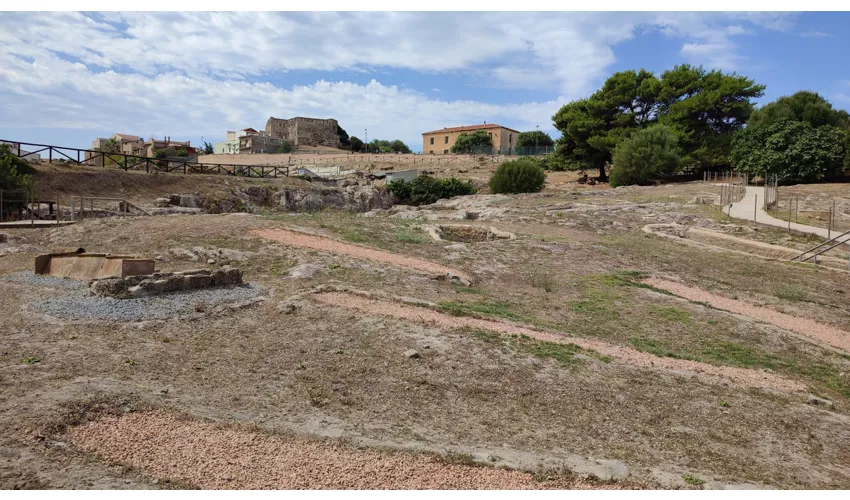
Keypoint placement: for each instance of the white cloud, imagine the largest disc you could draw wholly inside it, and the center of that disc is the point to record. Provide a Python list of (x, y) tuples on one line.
[(60, 94), (709, 37), (203, 73), (815, 34)]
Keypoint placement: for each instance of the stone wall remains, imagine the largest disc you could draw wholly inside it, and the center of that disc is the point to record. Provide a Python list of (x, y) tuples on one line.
[(305, 131), (133, 287)]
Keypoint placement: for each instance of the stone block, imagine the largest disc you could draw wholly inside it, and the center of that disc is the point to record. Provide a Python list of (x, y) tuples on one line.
[(195, 281)]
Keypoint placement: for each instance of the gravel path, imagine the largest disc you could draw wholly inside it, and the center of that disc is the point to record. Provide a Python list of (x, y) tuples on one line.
[(742, 376), (164, 446), (82, 306), (328, 245), (812, 329), (30, 278)]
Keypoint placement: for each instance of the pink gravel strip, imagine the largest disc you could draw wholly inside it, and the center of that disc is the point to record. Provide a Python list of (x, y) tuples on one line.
[(297, 239), (812, 329), (742, 376), (202, 454)]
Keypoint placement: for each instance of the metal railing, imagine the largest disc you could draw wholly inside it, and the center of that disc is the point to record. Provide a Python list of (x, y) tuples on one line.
[(833, 243), (134, 162)]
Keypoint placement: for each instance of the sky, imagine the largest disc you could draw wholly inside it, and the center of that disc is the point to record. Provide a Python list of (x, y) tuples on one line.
[(68, 77)]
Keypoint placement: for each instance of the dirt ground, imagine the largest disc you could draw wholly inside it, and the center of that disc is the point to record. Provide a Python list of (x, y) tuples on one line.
[(608, 377)]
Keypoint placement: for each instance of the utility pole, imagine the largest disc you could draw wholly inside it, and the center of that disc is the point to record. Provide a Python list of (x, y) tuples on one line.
[(536, 136), (366, 135)]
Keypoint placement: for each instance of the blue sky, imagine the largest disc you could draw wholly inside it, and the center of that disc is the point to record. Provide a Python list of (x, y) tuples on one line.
[(66, 78)]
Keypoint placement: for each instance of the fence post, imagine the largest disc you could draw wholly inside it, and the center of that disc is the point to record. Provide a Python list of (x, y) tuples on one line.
[(755, 207), (1, 205), (829, 225), (789, 215), (73, 209)]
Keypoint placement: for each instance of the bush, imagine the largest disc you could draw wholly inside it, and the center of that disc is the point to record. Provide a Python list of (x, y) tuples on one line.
[(160, 153), (646, 155), (15, 174), (425, 190), (285, 147), (518, 176)]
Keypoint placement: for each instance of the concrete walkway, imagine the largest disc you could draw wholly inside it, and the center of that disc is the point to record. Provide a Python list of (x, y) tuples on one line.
[(745, 209)]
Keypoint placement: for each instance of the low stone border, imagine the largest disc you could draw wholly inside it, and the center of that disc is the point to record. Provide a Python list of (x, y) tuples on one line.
[(154, 284)]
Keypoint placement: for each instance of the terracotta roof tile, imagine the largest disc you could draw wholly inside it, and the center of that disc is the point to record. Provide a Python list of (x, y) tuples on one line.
[(468, 128)]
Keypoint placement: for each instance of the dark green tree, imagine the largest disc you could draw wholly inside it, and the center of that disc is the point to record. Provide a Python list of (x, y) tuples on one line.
[(648, 154), (592, 127), (344, 142), (534, 138), (399, 147), (703, 107), (803, 106), (356, 144), (475, 142), (795, 151), (285, 147)]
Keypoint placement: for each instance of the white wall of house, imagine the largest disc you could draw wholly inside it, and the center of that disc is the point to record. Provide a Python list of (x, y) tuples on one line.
[(226, 147)]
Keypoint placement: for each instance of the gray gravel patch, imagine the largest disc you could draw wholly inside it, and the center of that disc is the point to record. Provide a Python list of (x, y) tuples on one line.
[(30, 278), (83, 306)]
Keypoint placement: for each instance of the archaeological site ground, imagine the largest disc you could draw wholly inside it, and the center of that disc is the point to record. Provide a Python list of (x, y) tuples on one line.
[(580, 337)]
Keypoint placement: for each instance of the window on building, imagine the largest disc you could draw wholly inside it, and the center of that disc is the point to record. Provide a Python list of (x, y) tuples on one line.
[(445, 151), (447, 139), (432, 141)]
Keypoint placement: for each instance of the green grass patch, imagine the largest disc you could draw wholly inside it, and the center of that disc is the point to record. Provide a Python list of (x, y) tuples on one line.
[(671, 314), (693, 480), (790, 292), (352, 236), (825, 375), (655, 347), (469, 289), (406, 236), (31, 360), (498, 309)]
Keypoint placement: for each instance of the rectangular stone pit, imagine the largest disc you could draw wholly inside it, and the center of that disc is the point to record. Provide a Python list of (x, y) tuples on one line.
[(133, 287)]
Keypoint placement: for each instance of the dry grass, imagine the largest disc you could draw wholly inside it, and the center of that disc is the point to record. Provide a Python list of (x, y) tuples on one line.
[(330, 371)]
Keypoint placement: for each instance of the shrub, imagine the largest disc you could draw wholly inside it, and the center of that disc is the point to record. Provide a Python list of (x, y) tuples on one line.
[(518, 176), (425, 190), (285, 147), (15, 173), (646, 155), (160, 153)]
